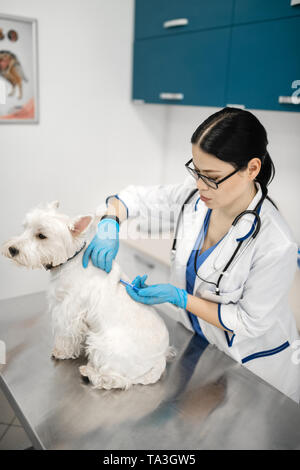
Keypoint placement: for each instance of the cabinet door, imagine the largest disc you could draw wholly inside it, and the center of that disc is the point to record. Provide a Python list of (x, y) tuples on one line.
[(164, 17), (265, 64), (191, 65), (246, 11)]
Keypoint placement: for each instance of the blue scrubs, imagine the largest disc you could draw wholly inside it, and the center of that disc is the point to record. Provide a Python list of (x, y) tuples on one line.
[(190, 271)]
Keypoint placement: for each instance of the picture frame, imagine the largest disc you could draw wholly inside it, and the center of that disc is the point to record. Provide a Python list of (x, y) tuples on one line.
[(19, 101)]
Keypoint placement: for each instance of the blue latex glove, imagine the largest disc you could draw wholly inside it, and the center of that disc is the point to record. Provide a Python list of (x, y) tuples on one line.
[(157, 293), (104, 246)]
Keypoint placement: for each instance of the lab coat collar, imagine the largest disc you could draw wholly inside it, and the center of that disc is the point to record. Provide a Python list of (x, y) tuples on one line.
[(223, 252)]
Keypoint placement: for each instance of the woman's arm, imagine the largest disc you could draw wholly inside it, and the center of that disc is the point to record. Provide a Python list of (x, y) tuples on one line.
[(160, 293), (204, 309), (159, 201), (117, 208)]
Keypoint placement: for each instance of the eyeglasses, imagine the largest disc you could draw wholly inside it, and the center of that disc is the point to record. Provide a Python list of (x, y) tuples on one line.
[(208, 181)]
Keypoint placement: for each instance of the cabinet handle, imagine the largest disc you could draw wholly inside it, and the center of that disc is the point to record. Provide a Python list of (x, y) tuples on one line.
[(289, 99), (171, 96), (295, 2), (143, 261), (177, 22)]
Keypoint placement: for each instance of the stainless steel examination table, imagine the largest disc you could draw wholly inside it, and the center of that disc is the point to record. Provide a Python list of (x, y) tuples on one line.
[(204, 400)]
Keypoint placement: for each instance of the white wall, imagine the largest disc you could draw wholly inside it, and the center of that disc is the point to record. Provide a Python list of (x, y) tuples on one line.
[(91, 140)]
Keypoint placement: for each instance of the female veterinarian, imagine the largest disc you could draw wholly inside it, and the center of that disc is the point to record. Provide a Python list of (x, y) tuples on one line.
[(233, 257)]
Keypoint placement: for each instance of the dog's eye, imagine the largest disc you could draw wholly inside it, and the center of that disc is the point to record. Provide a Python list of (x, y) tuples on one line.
[(40, 235)]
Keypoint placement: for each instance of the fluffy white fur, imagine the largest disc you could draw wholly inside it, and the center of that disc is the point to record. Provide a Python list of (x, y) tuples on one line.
[(126, 342)]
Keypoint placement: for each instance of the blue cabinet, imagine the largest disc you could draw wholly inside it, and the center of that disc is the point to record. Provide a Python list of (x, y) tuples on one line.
[(165, 17), (218, 52), (264, 63), (187, 69), (248, 11)]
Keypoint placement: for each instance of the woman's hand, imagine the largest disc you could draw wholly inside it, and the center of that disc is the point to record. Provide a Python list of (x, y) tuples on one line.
[(104, 246), (157, 293)]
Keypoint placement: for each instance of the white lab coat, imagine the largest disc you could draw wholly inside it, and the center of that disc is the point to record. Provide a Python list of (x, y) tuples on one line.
[(253, 295)]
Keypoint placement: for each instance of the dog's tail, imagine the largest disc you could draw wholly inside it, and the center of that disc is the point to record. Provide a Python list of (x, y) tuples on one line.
[(170, 353)]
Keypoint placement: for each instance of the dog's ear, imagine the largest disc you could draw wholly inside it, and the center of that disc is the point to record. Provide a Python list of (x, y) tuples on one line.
[(80, 224), (53, 205)]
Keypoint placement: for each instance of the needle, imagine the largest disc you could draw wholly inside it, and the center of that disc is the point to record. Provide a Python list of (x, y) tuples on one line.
[(130, 285)]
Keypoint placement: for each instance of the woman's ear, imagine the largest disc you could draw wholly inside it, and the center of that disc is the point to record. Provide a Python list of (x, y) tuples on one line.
[(254, 166)]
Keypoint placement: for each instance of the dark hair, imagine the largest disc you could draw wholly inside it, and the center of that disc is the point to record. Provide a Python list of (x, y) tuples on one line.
[(236, 136)]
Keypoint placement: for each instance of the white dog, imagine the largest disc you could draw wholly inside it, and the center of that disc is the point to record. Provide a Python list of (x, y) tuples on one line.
[(126, 342)]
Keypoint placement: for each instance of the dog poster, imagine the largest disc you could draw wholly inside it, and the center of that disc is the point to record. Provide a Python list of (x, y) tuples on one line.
[(18, 70)]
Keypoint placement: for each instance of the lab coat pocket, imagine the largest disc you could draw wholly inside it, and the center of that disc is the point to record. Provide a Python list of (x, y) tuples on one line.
[(269, 344)]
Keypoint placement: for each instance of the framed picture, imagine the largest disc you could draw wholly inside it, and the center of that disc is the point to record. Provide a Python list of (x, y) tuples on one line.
[(18, 70)]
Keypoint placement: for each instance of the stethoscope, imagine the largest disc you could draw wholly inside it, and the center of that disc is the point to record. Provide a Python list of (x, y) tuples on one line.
[(251, 235)]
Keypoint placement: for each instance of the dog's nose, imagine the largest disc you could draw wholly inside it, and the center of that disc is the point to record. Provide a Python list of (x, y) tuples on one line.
[(13, 251)]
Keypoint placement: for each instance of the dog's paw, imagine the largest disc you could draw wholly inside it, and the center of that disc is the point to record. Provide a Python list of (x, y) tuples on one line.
[(84, 374), (57, 354), (83, 371)]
